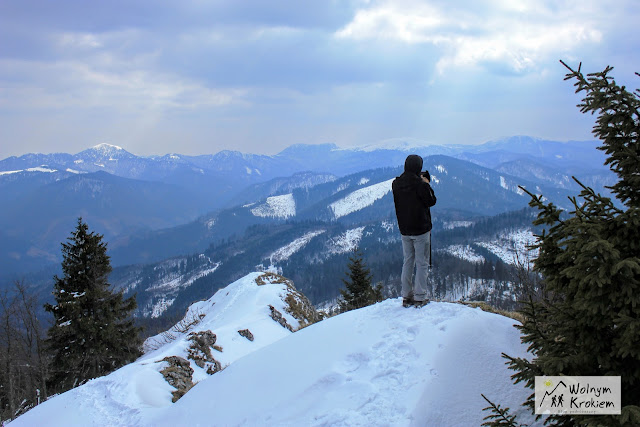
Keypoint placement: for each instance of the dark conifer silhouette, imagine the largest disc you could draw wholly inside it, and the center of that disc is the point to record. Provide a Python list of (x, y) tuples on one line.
[(587, 321), (359, 292), (93, 333)]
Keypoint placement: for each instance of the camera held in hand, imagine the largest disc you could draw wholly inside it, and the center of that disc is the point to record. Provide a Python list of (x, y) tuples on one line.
[(426, 174)]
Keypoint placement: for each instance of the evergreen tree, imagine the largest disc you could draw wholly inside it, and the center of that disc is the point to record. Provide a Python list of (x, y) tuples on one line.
[(588, 321), (359, 292), (93, 333)]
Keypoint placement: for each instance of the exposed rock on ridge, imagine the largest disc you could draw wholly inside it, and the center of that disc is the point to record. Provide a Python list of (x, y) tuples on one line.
[(179, 375), (200, 351)]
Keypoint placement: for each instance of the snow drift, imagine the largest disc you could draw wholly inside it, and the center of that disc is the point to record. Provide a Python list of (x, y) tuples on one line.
[(380, 365)]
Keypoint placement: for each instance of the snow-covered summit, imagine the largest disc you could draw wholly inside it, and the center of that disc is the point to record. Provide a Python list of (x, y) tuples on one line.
[(106, 147), (396, 144), (380, 365), (247, 315), (103, 153), (228, 154)]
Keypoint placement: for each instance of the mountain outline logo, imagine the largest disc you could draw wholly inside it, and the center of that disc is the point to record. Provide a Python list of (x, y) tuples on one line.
[(548, 383)]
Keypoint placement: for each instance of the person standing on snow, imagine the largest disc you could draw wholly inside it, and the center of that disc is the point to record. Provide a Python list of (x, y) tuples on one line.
[(413, 196)]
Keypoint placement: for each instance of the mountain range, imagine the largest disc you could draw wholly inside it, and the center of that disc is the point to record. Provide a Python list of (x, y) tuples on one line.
[(315, 255), (151, 208)]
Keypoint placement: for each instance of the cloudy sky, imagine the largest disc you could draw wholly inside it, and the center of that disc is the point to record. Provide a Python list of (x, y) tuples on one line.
[(199, 76)]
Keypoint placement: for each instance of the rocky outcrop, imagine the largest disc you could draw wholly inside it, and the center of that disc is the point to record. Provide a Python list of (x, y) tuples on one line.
[(291, 305), (246, 333), (277, 316), (179, 375), (200, 351), (297, 304), (269, 277)]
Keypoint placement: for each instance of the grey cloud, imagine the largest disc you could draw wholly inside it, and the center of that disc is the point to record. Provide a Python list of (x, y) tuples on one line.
[(99, 16), (260, 75)]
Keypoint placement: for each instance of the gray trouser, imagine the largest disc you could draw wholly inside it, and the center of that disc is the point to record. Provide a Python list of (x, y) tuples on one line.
[(415, 251)]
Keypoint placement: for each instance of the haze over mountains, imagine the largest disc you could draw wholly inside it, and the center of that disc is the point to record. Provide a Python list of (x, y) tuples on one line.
[(154, 209)]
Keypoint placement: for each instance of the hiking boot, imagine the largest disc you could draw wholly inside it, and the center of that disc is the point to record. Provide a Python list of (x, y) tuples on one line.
[(407, 302), (418, 304)]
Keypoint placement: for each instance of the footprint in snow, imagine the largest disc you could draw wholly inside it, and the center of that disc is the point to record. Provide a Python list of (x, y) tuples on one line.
[(353, 362), (412, 331)]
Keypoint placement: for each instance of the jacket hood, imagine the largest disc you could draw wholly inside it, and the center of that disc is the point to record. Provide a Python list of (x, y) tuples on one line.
[(413, 163)]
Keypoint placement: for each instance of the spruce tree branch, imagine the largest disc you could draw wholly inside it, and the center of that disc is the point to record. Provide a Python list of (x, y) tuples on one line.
[(499, 416), (534, 319)]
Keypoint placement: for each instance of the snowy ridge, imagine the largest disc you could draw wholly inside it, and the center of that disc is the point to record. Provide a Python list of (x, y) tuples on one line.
[(42, 168), (137, 394), (395, 144), (243, 302), (286, 251), (283, 206), (381, 365), (9, 172), (360, 198)]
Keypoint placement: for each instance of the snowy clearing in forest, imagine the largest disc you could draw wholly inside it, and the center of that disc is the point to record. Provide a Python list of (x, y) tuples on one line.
[(360, 199), (465, 252), (286, 251), (283, 206), (346, 242), (511, 247), (450, 225)]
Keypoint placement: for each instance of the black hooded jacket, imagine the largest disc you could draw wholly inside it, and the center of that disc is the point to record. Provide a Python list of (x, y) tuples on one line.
[(413, 197)]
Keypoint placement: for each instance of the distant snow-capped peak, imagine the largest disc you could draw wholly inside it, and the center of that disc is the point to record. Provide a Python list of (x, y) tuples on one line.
[(104, 152), (106, 147), (396, 144)]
